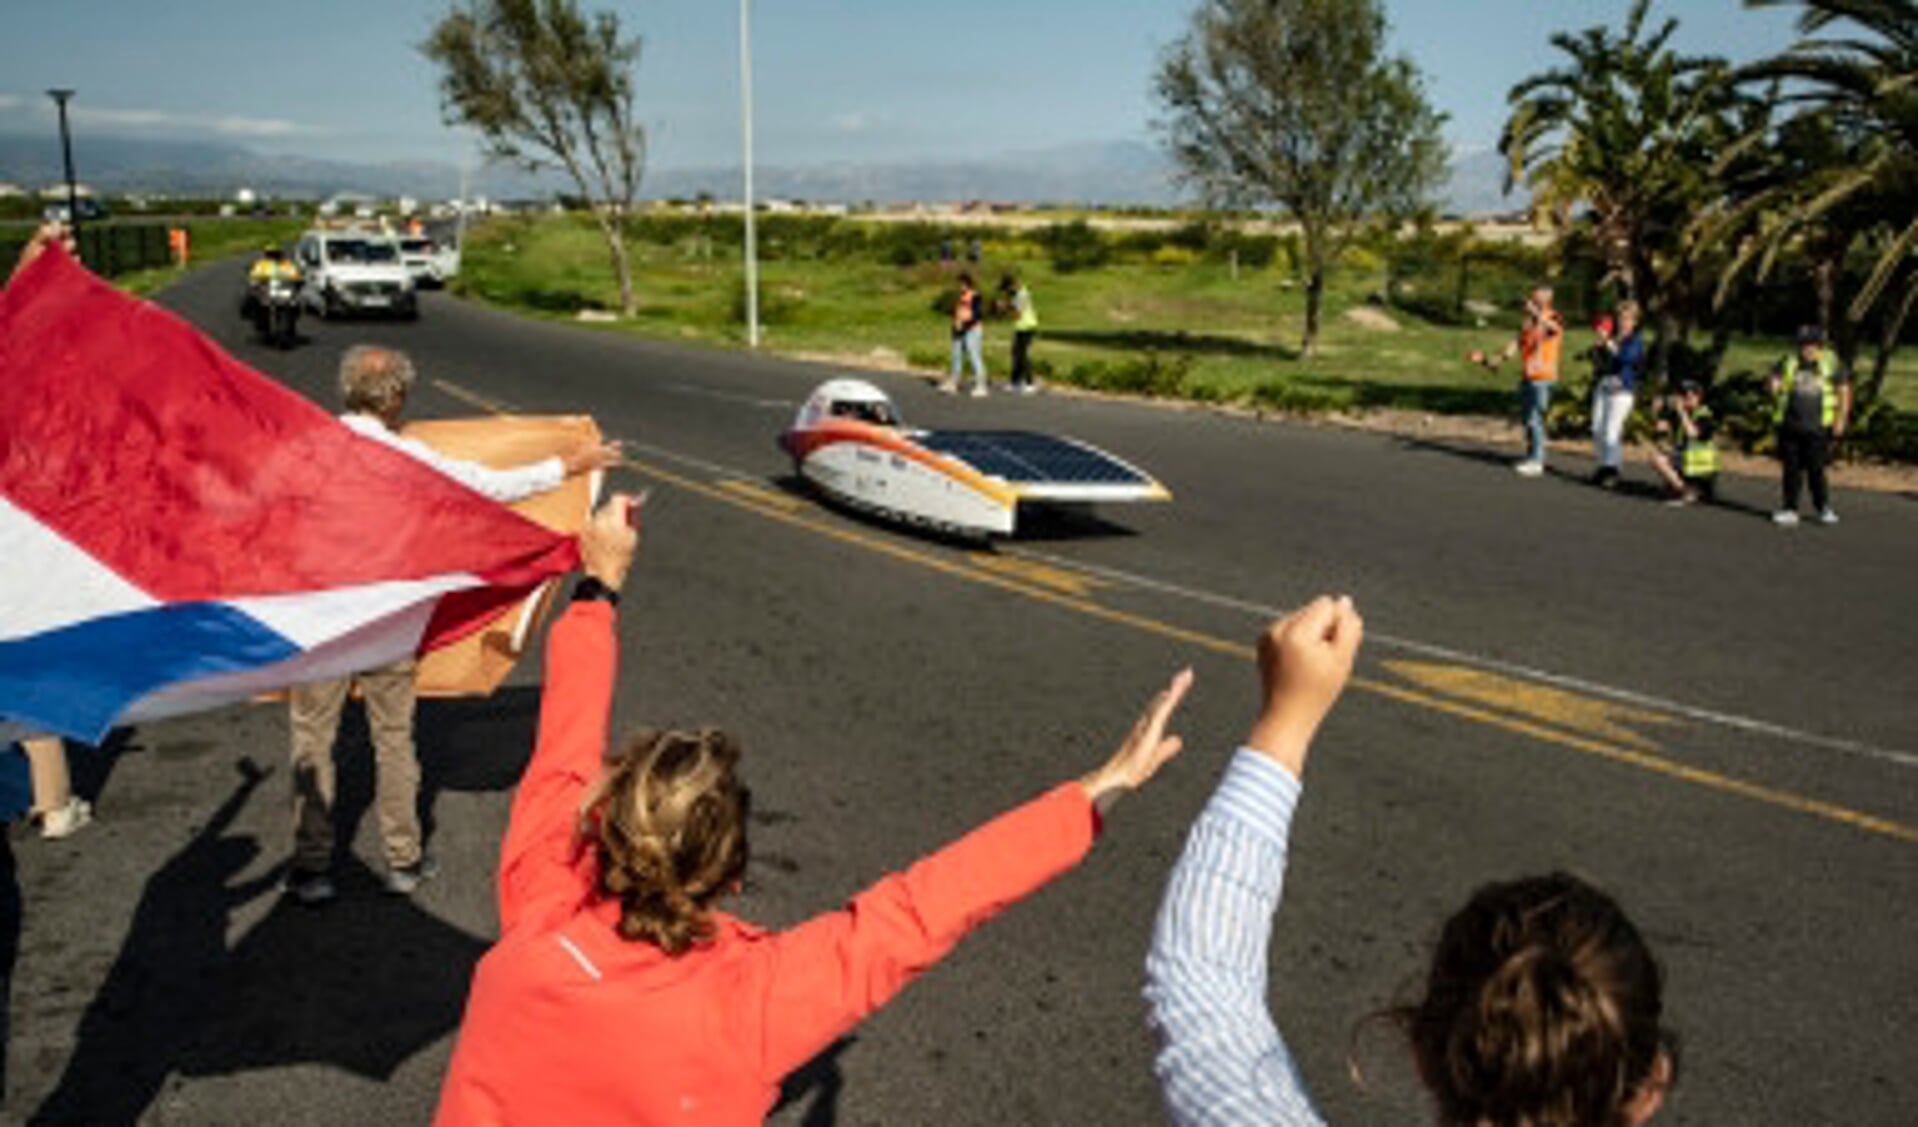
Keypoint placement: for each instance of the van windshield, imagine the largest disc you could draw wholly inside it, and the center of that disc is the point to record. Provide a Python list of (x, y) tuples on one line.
[(360, 250)]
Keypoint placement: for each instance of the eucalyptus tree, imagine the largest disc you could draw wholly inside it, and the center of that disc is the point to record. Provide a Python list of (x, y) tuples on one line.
[(547, 86), (1295, 104)]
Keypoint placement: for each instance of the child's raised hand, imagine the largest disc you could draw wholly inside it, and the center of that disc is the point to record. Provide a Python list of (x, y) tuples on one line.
[(1305, 659)]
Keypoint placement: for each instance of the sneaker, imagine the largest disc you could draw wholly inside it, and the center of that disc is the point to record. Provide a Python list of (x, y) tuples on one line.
[(1785, 518), (406, 879), (1826, 516), (66, 821), (979, 391), (310, 888), (1680, 500), (948, 387), (1529, 468), (1028, 389)]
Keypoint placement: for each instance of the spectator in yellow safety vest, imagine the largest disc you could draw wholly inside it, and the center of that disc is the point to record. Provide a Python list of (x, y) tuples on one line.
[(1811, 403), (1688, 458), (1025, 324)]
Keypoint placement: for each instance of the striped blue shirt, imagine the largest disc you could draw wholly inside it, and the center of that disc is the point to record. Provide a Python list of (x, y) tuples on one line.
[(1221, 1060)]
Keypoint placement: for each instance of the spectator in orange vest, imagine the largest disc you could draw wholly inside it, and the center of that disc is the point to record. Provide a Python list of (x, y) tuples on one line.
[(1540, 341)]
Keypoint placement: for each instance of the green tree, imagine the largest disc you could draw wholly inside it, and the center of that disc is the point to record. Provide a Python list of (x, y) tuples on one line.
[(1843, 172), (548, 87), (1295, 104)]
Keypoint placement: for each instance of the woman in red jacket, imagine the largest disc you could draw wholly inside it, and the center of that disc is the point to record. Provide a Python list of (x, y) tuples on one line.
[(618, 992)]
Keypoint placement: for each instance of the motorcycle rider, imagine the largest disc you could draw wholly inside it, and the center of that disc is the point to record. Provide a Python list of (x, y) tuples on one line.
[(272, 266)]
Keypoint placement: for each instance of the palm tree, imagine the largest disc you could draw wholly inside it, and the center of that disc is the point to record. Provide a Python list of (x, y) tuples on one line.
[(1625, 133), (1846, 165)]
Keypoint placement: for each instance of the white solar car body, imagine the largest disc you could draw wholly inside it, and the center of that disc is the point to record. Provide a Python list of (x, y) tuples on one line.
[(850, 442)]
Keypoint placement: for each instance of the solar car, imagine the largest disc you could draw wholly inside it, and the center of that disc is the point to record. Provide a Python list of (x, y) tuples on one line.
[(850, 443)]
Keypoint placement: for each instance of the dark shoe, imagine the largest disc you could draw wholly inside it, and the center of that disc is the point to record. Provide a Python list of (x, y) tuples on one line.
[(406, 879), (310, 888)]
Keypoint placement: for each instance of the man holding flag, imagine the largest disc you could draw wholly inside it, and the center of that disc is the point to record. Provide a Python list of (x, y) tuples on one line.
[(374, 383)]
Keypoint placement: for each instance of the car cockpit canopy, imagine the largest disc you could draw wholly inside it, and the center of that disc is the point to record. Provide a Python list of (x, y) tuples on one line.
[(856, 400)]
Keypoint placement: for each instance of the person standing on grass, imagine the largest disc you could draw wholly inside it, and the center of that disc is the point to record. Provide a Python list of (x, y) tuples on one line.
[(1540, 340), (968, 338), (620, 990), (1690, 471), (1025, 323), (1622, 353), (1811, 393)]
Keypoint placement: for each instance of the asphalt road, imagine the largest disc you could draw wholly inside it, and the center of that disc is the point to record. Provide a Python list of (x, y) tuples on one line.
[(1709, 716)]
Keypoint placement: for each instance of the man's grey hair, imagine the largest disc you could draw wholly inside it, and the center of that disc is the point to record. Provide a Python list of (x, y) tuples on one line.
[(374, 380)]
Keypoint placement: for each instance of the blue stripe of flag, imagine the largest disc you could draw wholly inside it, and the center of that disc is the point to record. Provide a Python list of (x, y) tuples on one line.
[(78, 679)]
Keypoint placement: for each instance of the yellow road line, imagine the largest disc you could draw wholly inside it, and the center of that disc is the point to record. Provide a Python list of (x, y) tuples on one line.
[(753, 491), (1656, 764)]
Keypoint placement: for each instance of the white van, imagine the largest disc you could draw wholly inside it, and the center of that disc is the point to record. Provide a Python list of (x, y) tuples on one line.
[(355, 272)]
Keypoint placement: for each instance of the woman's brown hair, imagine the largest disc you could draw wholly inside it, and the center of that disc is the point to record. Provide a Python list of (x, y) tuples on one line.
[(1543, 1008), (668, 826)]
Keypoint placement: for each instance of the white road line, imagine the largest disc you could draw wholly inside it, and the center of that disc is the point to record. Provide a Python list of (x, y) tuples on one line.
[(1543, 676)]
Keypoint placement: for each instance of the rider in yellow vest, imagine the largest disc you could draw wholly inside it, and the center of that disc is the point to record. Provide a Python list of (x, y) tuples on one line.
[(1690, 469), (1811, 395), (271, 265)]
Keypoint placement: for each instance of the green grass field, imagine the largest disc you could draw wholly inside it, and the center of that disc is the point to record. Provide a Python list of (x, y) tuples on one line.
[(1177, 325)]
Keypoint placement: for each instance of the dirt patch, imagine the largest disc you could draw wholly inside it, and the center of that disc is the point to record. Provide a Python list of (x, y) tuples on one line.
[(1377, 320)]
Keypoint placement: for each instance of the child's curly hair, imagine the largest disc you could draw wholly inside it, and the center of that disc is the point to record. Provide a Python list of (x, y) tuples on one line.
[(667, 824)]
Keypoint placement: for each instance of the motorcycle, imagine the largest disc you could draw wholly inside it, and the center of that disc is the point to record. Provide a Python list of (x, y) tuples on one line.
[(275, 308)]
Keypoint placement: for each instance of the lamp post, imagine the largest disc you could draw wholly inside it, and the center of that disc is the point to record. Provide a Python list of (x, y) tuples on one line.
[(746, 146), (66, 152)]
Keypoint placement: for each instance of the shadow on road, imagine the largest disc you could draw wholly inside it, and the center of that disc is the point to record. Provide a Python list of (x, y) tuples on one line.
[(820, 1081), (361, 985)]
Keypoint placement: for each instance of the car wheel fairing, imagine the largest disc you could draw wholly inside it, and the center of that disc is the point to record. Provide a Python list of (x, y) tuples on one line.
[(912, 491)]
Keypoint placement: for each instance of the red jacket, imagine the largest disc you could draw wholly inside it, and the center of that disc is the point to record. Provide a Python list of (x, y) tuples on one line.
[(569, 1024)]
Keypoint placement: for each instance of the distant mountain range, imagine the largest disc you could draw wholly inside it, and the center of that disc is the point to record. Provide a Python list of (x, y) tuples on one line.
[(1113, 172)]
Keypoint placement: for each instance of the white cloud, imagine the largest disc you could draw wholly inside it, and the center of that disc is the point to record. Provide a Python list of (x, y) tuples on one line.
[(261, 126), (147, 120)]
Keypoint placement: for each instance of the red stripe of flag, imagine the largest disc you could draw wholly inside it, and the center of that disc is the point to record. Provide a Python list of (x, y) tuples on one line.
[(128, 432)]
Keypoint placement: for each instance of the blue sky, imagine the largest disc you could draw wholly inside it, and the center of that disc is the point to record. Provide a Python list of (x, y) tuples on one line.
[(836, 80)]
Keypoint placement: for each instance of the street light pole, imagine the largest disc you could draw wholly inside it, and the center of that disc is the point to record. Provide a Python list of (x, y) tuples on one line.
[(746, 145), (66, 151)]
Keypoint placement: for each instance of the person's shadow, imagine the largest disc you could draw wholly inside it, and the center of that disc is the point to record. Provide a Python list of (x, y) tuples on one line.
[(820, 1081), (363, 984)]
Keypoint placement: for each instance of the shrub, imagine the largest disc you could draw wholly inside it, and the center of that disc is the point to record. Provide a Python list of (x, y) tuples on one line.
[(1149, 374), (1075, 246), (1174, 256), (1300, 399)]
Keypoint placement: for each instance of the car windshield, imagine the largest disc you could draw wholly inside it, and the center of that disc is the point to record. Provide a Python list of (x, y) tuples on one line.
[(360, 250)]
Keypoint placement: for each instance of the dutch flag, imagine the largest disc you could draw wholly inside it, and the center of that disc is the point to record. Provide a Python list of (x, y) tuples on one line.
[(178, 532)]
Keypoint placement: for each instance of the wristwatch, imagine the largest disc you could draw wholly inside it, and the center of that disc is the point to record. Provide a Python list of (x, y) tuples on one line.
[(589, 588)]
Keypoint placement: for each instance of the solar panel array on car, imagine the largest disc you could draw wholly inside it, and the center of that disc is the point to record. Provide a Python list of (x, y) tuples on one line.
[(1022, 456)]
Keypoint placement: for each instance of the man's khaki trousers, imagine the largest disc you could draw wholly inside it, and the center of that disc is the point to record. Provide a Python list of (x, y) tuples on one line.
[(389, 695)]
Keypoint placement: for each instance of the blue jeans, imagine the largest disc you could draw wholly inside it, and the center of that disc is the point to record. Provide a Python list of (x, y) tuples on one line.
[(965, 346), (1534, 396)]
